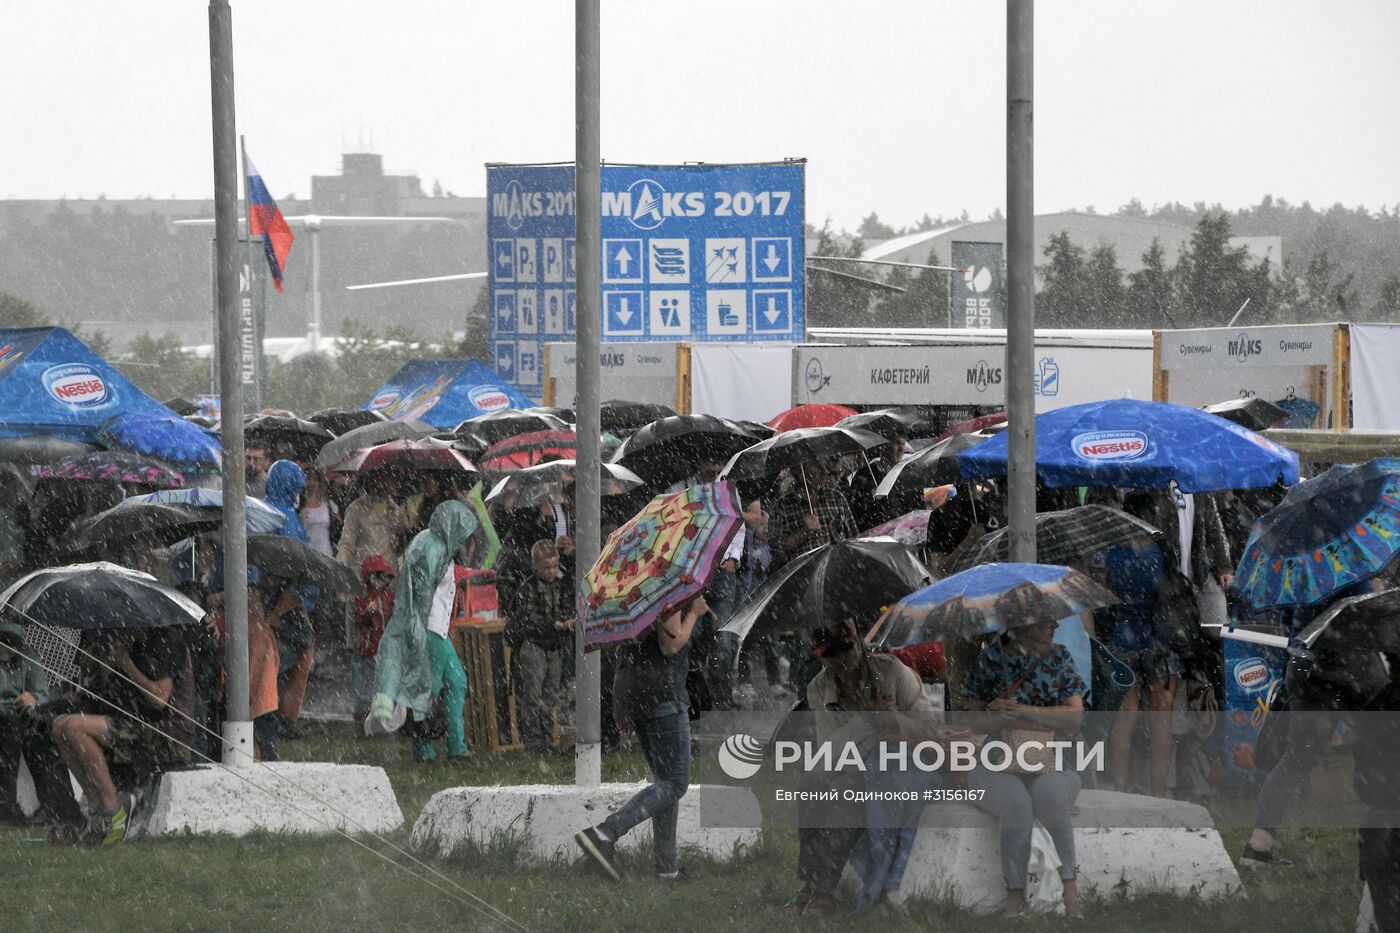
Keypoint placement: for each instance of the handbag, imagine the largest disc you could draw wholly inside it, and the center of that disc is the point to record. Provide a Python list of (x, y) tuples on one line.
[(1022, 731), (1112, 677)]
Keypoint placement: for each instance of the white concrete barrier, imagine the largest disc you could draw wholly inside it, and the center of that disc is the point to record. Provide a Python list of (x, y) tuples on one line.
[(1125, 844), (282, 797), (542, 819)]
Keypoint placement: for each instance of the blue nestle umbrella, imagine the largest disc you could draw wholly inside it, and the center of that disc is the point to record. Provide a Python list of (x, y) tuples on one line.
[(161, 434), (1143, 445), (262, 518)]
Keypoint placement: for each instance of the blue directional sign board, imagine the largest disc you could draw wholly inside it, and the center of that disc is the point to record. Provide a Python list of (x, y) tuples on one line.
[(689, 253)]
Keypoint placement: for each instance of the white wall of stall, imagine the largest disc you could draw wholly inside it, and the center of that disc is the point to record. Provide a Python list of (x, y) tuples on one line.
[(750, 382)]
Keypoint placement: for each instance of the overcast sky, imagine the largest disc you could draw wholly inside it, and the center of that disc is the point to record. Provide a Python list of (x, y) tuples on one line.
[(898, 106)]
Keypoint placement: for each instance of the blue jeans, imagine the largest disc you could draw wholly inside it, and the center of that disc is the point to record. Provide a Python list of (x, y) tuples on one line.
[(1018, 802), (361, 683), (665, 741)]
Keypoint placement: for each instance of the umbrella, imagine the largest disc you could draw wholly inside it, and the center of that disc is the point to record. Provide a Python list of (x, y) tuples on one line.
[(37, 449), (181, 406), (516, 453), (565, 415), (293, 438), (368, 436), (98, 596), (116, 466), (545, 483), (1061, 537), (756, 428), (1254, 413), (161, 434), (1329, 532), (933, 466), (827, 584), (910, 529), (661, 558), (810, 416), (988, 599), (1361, 622), (798, 446), (488, 546), (486, 430), (887, 422), (162, 522), (418, 456), (340, 421), (290, 559), (261, 518), (623, 417), (1144, 445), (982, 423), (668, 450)]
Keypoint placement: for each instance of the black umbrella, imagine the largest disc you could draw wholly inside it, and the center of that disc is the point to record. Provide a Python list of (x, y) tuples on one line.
[(563, 414), (160, 523), (668, 450), (181, 406), (1346, 639), (98, 596), (290, 437), (887, 422), (827, 584), (795, 447), (545, 483), (290, 559), (485, 430), (37, 449), (1060, 537), (757, 428), (371, 435), (933, 466), (623, 417), (1255, 413), (344, 420)]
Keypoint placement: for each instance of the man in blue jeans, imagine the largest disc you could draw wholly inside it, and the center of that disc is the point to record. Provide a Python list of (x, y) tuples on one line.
[(649, 689)]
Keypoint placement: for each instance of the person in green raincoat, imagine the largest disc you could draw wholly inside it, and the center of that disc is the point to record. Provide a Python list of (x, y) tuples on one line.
[(416, 660)]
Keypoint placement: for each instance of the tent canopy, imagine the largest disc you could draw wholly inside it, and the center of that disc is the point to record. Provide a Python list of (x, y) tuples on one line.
[(444, 393), (53, 383)]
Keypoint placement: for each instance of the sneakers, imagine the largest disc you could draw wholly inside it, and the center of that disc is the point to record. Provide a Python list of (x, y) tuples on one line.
[(679, 876), (1254, 858), (599, 848)]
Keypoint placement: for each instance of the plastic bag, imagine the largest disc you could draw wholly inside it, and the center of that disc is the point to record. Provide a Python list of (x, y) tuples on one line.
[(1044, 889)]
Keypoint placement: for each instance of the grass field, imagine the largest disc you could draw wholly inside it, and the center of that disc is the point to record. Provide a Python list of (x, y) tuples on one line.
[(275, 882)]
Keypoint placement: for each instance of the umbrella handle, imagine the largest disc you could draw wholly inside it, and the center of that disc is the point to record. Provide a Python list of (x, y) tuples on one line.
[(802, 468)]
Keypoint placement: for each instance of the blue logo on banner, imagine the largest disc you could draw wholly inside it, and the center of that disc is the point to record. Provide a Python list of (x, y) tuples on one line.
[(772, 259), (505, 312), (772, 311), (623, 260), (623, 313), (505, 360), (1047, 380), (504, 251)]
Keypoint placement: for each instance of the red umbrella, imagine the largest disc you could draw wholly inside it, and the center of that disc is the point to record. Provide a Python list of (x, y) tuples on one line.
[(421, 454), (973, 425), (527, 450), (810, 416)]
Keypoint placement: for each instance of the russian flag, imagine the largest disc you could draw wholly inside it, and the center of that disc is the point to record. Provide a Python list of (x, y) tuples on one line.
[(265, 220)]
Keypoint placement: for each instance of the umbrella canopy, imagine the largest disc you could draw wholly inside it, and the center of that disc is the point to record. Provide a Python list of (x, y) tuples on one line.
[(668, 450), (757, 429), (116, 466), (911, 528), (415, 455), (801, 445), (810, 416), (565, 415), (98, 596), (340, 421), (827, 584), (981, 424), (1143, 445), (277, 555), (1329, 532), (660, 559), (623, 417), (181, 406), (545, 483), (163, 435), (486, 430), (160, 522), (1361, 622), (261, 518), (293, 438), (1254, 413), (933, 466), (887, 422), (38, 449), (368, 436), (517, 453), (988, 599), (1061, 537)]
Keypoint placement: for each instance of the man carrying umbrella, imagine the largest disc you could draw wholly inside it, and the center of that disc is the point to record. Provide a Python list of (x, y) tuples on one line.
[(814, 512)]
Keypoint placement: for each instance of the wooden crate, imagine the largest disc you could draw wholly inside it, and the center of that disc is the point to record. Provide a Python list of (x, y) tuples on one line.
[(490, 709)]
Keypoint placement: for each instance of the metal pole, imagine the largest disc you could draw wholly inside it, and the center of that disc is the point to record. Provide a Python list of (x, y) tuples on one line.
[(1020, 277), (588, 760), (238, 727)]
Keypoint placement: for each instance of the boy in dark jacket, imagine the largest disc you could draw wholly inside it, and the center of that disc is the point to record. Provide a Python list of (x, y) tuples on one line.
[(539, 625)]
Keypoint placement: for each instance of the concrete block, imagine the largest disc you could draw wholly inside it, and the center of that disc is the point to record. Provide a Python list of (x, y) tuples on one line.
[(1125, 844), (543, 818), (276, 797)]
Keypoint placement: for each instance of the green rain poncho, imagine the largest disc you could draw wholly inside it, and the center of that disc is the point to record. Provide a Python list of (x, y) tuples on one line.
[(403, 675)]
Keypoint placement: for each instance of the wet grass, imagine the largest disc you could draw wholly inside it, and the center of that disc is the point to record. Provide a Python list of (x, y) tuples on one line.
[(277, 882)]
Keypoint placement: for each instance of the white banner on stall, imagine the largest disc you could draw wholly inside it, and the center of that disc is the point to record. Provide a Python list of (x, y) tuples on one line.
[(1271, 345), (638, 372), (1375, 377), (749, 383)]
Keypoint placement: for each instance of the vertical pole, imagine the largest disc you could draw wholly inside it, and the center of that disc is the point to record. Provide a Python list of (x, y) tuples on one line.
[(588, 761), (238, 728), (1020, 277)]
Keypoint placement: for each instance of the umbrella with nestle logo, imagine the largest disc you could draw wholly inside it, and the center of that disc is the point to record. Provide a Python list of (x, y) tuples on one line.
[(1142, 445)]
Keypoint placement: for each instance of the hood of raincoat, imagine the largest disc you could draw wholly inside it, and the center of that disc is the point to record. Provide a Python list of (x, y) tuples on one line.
[(284, 484), (373, 564)]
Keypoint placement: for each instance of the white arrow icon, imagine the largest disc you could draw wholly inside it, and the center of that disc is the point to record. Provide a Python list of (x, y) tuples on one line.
[(772, 312), (624, 259), (505, 361), (771, 260), (625, 315)]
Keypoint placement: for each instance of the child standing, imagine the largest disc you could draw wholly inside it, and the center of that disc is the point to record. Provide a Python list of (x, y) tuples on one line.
[(372, 612)]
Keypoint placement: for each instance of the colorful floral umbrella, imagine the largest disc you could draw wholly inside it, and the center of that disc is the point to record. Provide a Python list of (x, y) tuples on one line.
[(116, 466), (657, 562), (1329, 532)]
